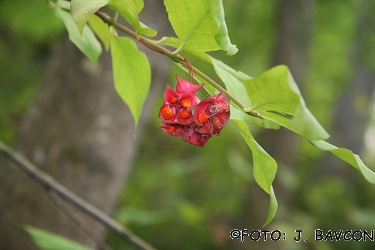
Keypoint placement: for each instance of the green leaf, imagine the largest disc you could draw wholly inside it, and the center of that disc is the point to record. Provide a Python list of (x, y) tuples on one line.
[(236, 113), (101, 29), (63, 4), (230, 78), (276, 96), (264, 166), (140, 4), (273, 207), (199, 25), (222, 38), (132, 74), (87, 43), (347, 156), (129, 10), (50, 241), (170, 41), (193, 25), (82, 10), (147, 31), (261, 123)]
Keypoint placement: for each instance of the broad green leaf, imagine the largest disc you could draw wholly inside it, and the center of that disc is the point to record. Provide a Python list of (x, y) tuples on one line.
[(132, 74), (50, 241), (87, 43), (222, 38), (82, 10), (101, 29), (140, 4), (276, 96), (129, 10), (265, 166), (199, 25), (348, 156), (193, 25)]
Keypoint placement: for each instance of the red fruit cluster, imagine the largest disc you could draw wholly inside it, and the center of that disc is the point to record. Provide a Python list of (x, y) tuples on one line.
[(196, 121)]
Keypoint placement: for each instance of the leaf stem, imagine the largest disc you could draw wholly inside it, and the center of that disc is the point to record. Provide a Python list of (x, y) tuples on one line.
[(177, 58)]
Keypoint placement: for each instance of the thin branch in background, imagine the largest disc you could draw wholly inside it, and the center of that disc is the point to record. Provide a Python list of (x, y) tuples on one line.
[(51, 184), (78, 220)]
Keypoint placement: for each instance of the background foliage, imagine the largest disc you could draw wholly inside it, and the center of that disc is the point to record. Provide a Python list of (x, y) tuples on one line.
[(189, 197)]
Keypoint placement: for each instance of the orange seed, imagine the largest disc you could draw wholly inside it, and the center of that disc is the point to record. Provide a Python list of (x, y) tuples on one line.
[(202, 117), (170, 130), (167, 112), (184, 114), (186, 103)]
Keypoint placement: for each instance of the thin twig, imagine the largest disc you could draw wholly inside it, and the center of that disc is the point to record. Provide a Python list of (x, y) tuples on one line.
[(48, 182), (78, 220)]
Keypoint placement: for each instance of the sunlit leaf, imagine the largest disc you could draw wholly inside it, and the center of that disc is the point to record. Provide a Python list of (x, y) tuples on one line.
[(276, 96), (193, 24), (87, 43), (101, 29), (129, 10), (82, 10), (199, 25), (132, 74), (140, 4), (50, 241), (347, 156), (222, 38)]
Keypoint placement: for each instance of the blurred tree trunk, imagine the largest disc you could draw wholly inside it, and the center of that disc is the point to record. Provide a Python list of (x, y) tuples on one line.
[(80, 132), (294, 23)]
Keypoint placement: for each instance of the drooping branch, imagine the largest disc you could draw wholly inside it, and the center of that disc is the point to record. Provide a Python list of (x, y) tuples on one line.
[(177, 58), (51, 184)]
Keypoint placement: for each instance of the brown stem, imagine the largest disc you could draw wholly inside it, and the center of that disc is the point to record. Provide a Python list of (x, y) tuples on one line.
[(191, 71)]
